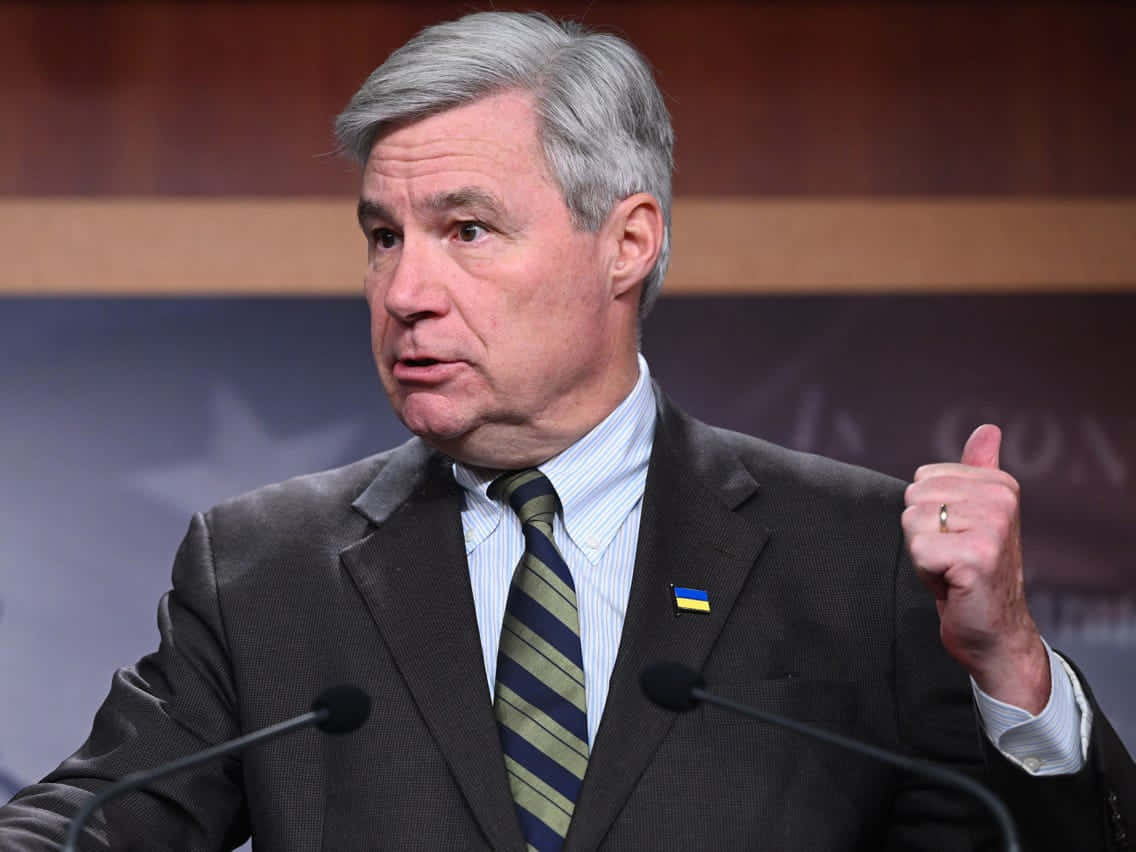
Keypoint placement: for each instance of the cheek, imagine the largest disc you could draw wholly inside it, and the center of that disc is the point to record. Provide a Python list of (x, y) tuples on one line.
[(375, 283), (378, 325), (380, 335)]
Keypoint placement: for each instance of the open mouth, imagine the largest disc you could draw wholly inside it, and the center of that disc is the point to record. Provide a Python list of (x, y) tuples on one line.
[(420, 362)]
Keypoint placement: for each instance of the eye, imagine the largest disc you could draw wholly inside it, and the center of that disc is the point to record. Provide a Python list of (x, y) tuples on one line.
[(384, 238), (468, 232)]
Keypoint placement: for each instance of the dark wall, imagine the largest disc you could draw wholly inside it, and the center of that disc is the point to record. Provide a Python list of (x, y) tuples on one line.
[(768, 98)]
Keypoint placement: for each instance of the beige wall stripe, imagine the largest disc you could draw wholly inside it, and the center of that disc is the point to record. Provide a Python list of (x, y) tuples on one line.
[(303, 245)]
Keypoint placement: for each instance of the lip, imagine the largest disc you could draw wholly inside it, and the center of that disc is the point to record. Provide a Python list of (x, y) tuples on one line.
[(433, 373)]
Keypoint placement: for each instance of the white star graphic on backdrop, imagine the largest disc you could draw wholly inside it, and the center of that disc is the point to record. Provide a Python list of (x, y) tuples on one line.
[(242, 454)]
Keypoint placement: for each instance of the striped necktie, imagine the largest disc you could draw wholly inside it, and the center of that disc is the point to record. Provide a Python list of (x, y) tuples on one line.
[(539, 695)]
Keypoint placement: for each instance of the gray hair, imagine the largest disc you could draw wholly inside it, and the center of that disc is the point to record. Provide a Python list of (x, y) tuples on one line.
[(604, 128)]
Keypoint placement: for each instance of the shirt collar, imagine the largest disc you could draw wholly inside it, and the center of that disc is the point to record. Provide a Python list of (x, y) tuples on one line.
[(598, 479)]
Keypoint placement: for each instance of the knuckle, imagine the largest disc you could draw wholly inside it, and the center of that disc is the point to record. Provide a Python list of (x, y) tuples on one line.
[(1011, 483), (1008, 498), (927, 471), (986, 549), (911, 495), (964, 578), (1006, 518), (917, 547), (917, 491)]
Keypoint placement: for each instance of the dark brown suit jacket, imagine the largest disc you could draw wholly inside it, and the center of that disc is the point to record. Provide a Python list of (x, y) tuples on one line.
[(359, 575)]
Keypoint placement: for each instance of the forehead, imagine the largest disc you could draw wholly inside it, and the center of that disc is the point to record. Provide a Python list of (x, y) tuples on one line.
[(495, 138)]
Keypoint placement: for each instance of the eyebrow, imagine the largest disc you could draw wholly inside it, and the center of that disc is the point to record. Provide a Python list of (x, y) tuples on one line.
[(368, 209), (466, 197)]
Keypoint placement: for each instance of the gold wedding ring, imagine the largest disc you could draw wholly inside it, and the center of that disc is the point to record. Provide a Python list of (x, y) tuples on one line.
[(942, 517)]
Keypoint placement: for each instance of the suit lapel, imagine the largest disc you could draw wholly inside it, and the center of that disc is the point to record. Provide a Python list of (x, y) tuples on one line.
[(689, 535), (412, 573)]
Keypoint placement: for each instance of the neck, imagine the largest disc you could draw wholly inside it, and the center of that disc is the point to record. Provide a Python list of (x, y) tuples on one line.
[(515, 446)]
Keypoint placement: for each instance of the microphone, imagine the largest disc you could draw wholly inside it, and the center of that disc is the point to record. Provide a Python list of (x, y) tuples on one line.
[(336, 711), (674, 686)]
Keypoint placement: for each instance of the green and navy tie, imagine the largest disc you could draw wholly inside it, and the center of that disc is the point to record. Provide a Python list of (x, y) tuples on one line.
[(539, 698)]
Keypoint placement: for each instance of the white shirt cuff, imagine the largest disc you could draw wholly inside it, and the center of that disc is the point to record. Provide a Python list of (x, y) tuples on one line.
[(1054, 742)]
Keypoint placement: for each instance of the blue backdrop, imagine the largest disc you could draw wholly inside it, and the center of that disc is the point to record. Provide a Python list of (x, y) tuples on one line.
[(121, 417)]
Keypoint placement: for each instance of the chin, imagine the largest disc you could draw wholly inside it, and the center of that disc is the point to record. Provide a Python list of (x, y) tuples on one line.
[(434, 420)]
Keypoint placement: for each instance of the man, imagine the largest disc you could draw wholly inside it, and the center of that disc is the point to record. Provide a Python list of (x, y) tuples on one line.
[(498, 583)]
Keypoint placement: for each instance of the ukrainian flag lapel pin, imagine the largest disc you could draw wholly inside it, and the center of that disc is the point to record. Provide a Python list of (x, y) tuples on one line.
[(687, 599)]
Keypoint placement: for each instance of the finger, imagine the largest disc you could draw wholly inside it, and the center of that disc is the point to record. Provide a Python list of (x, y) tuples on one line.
[(926, 518), (998, 489), (934, 577), (983, 446), (929, 471), (963, 555)]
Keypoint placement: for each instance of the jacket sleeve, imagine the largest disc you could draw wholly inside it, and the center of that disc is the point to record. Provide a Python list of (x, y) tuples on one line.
[(176, 701), (1091, 809), (937, 720)]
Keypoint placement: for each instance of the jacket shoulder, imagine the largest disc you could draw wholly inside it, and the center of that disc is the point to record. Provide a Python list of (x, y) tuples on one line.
[(774, 465), (311, 491), (314, 507)]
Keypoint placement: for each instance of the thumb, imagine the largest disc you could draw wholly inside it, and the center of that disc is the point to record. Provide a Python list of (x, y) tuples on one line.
[(982, 447)]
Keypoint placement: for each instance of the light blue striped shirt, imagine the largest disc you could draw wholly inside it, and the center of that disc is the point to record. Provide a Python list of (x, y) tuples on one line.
[(1054, 742), (600, 481)]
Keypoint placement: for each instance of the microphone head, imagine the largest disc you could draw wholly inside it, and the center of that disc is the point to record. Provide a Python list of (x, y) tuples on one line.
[(670, 685), (345, 708)]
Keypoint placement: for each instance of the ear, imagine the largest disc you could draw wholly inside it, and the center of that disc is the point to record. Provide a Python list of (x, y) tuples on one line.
[(635, 231)]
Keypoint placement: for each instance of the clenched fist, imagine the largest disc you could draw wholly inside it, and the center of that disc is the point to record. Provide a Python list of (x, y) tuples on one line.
[(963, 530)]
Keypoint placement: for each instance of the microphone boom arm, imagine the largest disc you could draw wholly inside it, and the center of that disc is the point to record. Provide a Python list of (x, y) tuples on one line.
[(134, 780), (949, 777)]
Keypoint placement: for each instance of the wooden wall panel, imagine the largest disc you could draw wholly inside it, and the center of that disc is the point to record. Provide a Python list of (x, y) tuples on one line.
[(785, 99), (310, 245)]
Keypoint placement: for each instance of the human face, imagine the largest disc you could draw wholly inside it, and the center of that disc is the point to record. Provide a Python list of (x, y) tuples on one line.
[(498, 333)]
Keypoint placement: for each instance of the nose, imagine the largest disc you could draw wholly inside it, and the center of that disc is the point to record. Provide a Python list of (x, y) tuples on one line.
[(415, 287)]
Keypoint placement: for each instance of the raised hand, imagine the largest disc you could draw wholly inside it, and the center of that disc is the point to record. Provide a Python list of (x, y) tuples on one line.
[(963, 530)]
